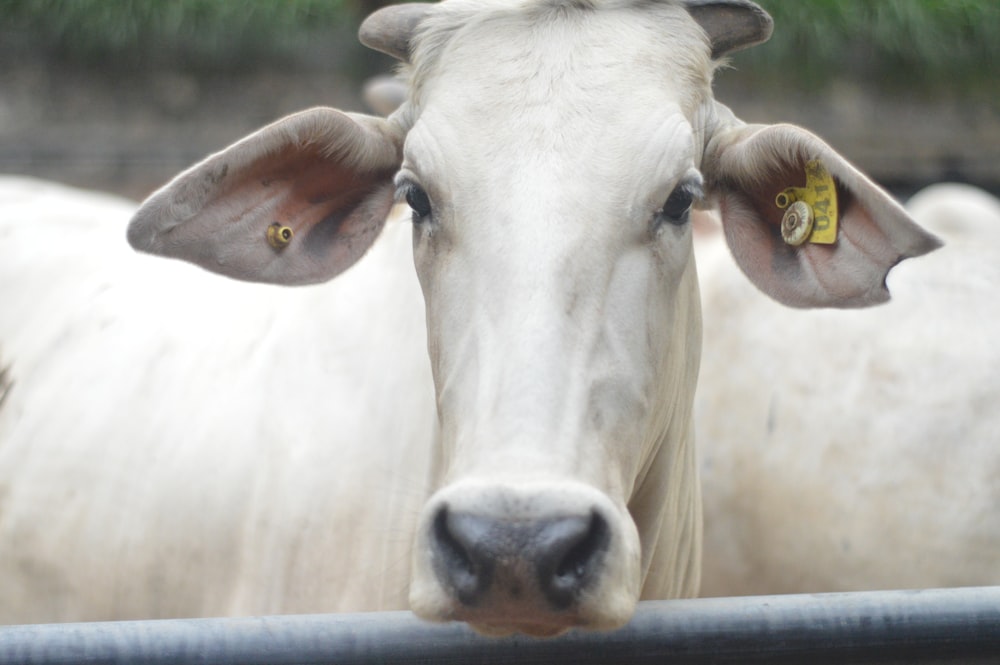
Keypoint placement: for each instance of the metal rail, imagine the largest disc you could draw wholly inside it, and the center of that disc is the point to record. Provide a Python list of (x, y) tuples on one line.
[(929, 626)]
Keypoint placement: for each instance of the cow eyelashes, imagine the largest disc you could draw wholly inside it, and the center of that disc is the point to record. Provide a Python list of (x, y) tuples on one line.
[(418, 201), (677, 208), (678, 205)]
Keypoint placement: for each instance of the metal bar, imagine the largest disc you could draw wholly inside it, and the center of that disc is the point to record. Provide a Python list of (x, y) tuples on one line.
[(929, 626)]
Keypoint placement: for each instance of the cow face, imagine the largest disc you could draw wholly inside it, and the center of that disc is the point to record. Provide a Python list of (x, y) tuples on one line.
[(553, 245), (550, 154)]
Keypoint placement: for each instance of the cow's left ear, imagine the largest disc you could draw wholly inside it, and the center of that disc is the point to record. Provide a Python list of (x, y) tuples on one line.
[(297, 202), (747, 167)]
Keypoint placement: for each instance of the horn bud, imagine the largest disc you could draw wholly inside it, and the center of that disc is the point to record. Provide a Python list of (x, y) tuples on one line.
[(731, 25), (389, 29)]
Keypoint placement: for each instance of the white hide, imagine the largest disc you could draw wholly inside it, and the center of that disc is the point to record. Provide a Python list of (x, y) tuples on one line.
[(564, 335), (178, 444), (853, 450), (294, 431), (563, 320)]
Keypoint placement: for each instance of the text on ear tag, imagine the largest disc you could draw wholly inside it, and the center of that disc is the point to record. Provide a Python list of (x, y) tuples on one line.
[(820, 195)]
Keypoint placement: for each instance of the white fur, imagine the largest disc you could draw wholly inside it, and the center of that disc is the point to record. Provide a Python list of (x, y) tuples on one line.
[(844, 451), (196, 446), (564, 331), (178, 444)]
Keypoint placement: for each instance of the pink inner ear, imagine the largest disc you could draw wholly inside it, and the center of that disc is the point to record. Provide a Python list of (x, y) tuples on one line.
[(850, 273), (334, 211), (325, 175), (750, 165), (317, 198)]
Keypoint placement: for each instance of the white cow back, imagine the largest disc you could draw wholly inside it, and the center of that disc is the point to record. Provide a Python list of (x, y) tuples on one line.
[(173, 440), (850, 450)]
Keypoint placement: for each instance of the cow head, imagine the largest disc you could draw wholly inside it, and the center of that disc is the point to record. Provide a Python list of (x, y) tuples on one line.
[(551, 153)]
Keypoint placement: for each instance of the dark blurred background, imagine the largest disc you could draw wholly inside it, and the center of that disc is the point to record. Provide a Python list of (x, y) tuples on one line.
[(119, 95)]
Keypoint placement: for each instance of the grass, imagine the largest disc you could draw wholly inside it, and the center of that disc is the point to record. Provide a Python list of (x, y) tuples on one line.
[(190, 34), (933, 43)]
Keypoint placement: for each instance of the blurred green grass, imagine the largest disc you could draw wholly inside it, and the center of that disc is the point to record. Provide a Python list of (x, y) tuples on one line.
[(909, 44), (906, 43), (212, 35)]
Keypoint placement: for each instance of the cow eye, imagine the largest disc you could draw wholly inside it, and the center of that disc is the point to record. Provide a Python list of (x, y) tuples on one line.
[(418, 201), (678, 206)]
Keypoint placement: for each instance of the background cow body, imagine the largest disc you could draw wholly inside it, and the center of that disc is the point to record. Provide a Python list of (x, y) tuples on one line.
[(175, 444), (855, 450)]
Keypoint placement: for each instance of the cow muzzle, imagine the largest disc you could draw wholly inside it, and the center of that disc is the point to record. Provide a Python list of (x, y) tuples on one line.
[(534, 560)]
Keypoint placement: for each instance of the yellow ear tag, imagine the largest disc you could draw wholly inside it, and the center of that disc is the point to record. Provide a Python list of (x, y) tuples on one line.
[(820, 195)]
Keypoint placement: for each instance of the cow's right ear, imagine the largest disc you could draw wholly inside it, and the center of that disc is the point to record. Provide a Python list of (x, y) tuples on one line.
[(295, 203)]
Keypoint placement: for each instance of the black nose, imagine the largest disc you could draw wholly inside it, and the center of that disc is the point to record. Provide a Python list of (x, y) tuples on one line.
[(559, 556)]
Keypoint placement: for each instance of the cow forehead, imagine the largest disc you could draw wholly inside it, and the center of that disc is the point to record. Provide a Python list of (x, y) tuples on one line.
[(546, 66), (572, 92), (491, 35)]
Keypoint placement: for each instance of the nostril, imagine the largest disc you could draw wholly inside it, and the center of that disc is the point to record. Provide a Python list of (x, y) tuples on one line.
[(478, 557), (576, 550), (459, 561), (448, 544), (578, 558)]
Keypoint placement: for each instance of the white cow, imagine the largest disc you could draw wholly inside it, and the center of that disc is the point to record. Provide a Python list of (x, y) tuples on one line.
[(175, 444), (843, 451), (293, 459)]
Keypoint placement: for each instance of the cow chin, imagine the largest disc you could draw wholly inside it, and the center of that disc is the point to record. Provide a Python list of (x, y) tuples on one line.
[(529, 559)]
